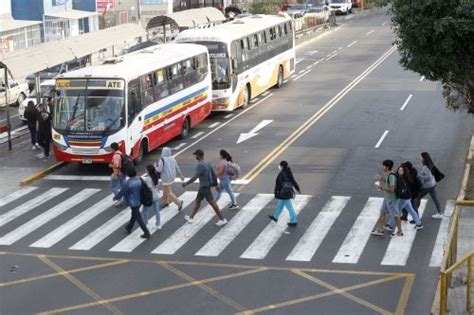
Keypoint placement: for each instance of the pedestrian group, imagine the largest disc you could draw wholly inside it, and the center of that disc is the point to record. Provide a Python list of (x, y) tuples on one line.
[(38, 119)]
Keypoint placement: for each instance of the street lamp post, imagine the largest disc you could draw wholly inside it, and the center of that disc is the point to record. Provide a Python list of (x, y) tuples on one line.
[(4, 67)]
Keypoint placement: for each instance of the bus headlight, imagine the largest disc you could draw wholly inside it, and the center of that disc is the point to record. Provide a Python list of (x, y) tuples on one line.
[(60, 146)]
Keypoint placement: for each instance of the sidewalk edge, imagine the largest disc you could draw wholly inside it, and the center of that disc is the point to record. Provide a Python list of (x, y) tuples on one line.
[(40, 174)]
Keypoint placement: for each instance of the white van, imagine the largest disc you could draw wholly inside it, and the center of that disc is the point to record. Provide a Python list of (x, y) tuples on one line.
[(341, 6)]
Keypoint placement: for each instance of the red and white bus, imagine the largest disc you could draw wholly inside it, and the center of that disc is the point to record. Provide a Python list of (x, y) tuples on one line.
[(140, 101)]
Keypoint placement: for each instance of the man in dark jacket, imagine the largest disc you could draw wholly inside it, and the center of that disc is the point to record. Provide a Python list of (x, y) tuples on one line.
[(31, 116), (44, 128), (284, 192)]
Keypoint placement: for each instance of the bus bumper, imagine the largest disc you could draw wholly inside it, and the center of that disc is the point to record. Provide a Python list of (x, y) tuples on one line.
[(92, 159)]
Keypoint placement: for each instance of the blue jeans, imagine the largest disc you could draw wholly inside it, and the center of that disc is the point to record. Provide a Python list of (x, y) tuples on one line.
[(117, 184), (289, 205), (405, 204), (156, 207), (224, 184)]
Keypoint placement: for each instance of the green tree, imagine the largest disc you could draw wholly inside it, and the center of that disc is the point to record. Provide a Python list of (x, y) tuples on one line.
[(436, 39), (265, 6)]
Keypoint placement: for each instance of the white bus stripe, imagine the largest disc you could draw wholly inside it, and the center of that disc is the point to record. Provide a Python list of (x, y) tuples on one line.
[(441, 238), (30, 205), (319, 228), (222, 239), (272, 233), (45, 217), (359, 234), (133, 240), (16, 195), (173, 243), (70, 226), (399, 247)]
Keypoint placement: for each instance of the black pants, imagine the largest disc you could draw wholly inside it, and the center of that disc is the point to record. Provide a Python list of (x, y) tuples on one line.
[(45, 142), (136, 216), (32, 129)]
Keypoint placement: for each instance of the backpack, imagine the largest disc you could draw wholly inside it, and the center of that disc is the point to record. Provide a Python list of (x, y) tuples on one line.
[(212, 177), (286, 190), (126, 164), (402, 191), (233, 170), (146, 195), (437, 174)]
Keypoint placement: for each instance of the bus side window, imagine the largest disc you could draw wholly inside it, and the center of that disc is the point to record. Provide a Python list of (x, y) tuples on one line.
[(134, 102), (189, 73), (176, 84), (161, 85), (147, 89), (255, 41)]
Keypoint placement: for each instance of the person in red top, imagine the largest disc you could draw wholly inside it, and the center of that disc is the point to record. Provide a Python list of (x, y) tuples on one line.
[(117, 179)]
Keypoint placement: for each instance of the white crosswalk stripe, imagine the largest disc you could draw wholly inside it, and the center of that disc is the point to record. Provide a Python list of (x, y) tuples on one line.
[(177, 240), (67, 228), (442, 236), (45, 217), (219, 242), (399, 247), (319, 228), (133, 240), (272, 233), (16, 195), (30, 205), (357, 238)]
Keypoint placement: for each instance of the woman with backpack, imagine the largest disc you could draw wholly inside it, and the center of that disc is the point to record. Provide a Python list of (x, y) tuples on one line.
[(167, 168), (152, 181), (429, 176), (404, 199), (415, 188), (284, 192), (225, 175)]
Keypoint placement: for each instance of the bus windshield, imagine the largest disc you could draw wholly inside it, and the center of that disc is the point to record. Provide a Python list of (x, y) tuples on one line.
[(219, 60), (89, 107)]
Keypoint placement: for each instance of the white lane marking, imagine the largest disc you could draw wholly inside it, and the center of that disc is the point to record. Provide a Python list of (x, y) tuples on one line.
[(223, 125), (330, 57), (301, 71), (222, 239), (333, 52), (214, 125), (70, 226), (197, 135), (312, 52), (406, 102), (316, 62), (14, 132), (384, 23), (133, 240), (301, 75), (379, 143), (340, 48), (422, 78), (351, 44), (292, 76), (309, 67), (356, 240), (78, 178), (319, 228), (399, 247), (47, 216), (228, 116), (30, 205), (442, 237), (179, 238), (265, 93), (272, 233), (298, 61), (16, 195), (179, 146), (370, 32), (252, 133)]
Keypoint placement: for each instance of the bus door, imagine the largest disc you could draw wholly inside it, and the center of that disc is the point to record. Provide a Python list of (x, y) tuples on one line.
[(134, 116)]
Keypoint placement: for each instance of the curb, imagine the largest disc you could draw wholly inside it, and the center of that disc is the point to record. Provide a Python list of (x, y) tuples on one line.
[(40, 174)]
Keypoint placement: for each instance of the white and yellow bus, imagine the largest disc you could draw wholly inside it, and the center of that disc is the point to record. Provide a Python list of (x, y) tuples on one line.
[(247, 56), (140, 101)]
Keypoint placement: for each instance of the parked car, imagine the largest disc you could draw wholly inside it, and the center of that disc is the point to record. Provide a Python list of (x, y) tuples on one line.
[(297, 8), (17, 92), (47, 88), (319, 11), (341, 6)]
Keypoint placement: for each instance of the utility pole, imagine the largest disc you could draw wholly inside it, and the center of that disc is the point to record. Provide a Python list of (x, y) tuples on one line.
[(139, 14), (5, 69)]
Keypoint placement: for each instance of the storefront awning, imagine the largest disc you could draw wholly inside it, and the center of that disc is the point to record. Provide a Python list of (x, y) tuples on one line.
[(9, 24), (71, 14)]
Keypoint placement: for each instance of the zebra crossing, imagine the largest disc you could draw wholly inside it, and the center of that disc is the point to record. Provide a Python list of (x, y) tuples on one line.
[(91, 219)]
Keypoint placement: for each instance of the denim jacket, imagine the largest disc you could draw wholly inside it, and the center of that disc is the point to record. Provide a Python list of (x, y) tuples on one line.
[(131, 192)]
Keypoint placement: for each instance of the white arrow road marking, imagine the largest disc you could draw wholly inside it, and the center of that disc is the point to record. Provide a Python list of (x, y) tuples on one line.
[(245, 136)]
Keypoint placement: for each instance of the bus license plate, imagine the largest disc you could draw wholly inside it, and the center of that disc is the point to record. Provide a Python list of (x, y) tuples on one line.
[(86, 161)]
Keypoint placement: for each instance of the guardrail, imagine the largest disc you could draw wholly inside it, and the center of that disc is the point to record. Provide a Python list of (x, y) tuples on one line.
[(311, 24), (449, 266)]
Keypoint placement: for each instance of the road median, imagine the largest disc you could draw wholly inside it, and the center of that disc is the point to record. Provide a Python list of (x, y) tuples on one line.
[(38, 175)]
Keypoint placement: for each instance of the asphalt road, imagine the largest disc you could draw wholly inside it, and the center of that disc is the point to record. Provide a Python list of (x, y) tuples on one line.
[(346, 109)]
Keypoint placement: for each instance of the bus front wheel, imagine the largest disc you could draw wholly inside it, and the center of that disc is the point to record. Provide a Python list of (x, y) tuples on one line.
[(280, 77), (246, 97), (141, 152), (185, 129)]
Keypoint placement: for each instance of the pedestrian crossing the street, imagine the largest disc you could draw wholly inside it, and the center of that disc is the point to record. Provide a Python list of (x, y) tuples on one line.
[(74, 219)]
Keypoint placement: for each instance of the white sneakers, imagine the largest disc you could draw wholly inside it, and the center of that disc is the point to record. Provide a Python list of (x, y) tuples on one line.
[(437, 216), (221, 222), (188, 218)]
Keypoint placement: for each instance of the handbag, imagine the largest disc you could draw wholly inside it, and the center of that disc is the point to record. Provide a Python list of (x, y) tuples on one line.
[(437, 174)]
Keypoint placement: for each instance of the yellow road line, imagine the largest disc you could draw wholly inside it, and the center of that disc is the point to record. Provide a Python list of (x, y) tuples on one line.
[(79, 284), (52, 275), (317, 296), (403, 301), (254, 172), (156, 291), (206, 288), (343, 293), (40, 174)]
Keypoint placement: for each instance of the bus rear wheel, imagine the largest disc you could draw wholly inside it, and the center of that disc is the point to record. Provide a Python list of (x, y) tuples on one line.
[(185, 129)]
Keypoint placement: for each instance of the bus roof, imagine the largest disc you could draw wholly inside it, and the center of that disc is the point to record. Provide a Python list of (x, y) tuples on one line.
[(227, 32), (143, 61)]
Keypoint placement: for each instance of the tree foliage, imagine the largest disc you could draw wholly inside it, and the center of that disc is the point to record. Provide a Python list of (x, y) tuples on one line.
[(436, 39), (265, 6)]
